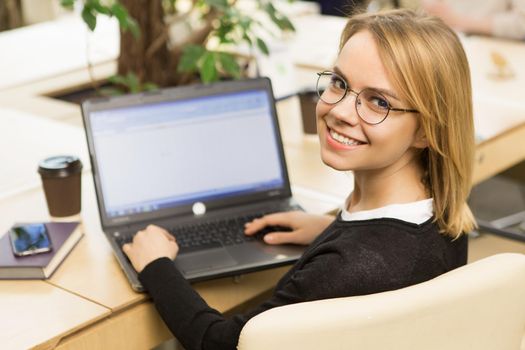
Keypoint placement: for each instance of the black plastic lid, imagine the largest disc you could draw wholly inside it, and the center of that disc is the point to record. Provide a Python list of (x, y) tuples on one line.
[(60, 166)]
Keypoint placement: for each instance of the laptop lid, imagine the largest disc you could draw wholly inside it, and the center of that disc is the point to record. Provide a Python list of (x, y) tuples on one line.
[(154, 155)]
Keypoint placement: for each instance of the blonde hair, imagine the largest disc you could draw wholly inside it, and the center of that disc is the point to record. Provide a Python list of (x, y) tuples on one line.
[(428, 67)]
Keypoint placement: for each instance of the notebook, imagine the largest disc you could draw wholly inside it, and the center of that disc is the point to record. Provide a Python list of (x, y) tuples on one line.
[(63, 235), (198, 160)]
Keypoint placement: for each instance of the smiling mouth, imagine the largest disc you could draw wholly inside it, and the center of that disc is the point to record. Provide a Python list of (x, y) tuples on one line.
[(345, 140)]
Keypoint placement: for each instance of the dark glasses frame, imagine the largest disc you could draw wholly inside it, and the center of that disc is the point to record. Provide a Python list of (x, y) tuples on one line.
[(357, 94)]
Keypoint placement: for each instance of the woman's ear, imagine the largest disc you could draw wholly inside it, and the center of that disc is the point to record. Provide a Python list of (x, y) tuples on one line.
[(420, 140)]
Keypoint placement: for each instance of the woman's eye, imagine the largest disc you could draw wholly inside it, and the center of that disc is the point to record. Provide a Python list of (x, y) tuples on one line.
[(379, 102), (337, 83)]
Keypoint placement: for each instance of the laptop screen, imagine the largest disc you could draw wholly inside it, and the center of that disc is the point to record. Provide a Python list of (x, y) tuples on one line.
[(166, 154)]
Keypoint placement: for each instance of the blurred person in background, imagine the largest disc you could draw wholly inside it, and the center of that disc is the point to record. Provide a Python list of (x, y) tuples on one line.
[(500, 18), (342, 8)]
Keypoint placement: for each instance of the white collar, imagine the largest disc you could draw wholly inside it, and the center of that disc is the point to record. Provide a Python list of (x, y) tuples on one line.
[(415, 212)]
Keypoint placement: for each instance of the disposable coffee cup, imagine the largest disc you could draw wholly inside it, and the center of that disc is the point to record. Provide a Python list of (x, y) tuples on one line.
[(61, 176), (308, 100)]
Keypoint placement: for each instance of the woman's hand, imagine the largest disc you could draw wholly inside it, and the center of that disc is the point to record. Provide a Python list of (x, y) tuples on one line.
[(443, 11), (150, 244), (305, 227)]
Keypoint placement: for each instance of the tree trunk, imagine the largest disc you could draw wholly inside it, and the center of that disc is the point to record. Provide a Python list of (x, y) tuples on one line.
[(155, 67), (10, 14), (150, 56)]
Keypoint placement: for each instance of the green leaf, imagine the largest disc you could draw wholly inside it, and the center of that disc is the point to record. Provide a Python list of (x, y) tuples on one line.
[(126, 22), (129, 82), (117, 80), (220, 4), (150, 87), (245, 23), (169, 6), (100, 8), (67, 3), (133, 82), (208, 70), (225, 29), (108, 91), (190, 56), (270, 9), (278, 18), (133, 27), (229, 64), (262, 46), (247, 39), (286, 24), (121, 13), (89, 18)]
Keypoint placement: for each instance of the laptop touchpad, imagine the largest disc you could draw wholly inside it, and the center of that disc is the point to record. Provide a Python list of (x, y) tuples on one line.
[(205, 260)]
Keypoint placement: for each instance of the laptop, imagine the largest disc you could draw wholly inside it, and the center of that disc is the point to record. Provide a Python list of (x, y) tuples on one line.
[(199, 161)]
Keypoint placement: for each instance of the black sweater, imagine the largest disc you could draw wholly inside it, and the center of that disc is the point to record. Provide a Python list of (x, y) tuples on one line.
[(348, 258)]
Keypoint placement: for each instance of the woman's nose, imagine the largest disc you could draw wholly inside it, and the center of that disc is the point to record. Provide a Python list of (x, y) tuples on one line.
[(345, 110)]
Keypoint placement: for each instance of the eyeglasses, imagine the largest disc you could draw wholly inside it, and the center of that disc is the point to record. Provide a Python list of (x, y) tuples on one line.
[(371, 106)]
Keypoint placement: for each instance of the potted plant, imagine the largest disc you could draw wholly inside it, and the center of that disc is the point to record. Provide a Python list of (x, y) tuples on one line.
[(168, 42)]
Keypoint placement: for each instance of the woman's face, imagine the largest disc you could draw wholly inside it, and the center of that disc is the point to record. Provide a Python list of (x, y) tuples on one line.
[(379, 146)]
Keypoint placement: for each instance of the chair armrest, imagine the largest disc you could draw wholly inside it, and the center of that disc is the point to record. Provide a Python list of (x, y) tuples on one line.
[(478, 306)]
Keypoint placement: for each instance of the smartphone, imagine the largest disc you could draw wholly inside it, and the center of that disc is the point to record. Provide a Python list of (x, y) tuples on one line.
[(29, 239)]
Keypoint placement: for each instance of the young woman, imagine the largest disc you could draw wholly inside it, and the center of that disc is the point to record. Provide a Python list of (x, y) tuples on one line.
[(396, 110)]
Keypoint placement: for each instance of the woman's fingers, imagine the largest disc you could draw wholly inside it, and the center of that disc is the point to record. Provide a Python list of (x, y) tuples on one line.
[(279, 237), (126, 248), (276, 219), (150, 244)]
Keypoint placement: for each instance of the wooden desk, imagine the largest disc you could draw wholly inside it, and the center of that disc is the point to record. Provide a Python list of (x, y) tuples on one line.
[(34, 138), (37, 314), (499, 111)]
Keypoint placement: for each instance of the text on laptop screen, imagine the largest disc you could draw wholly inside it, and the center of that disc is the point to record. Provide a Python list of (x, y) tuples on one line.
[(161, 155)]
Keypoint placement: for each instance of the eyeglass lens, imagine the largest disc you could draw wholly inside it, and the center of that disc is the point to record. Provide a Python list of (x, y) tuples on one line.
[(370, 105)]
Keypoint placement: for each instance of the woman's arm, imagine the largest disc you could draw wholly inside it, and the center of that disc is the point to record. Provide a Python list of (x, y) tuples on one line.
[(304, 227), (462, 22), (508, 24), (320, 274), (187, 315)]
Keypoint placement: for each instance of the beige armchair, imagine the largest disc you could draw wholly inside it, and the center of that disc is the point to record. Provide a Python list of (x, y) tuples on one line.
[(479, 306)]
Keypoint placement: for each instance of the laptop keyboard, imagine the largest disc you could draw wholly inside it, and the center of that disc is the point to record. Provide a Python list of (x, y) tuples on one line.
[(212, 234)]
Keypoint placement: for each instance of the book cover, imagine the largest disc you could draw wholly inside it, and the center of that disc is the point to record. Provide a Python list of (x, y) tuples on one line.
[(63, 235)]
